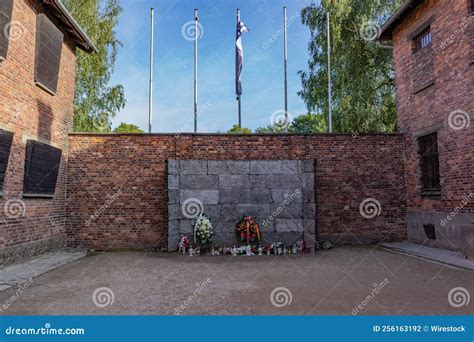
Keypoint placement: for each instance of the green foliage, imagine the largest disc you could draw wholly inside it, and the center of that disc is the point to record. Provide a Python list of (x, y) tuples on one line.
[(277, 127), (362, 71), (96, 102), (309, 123), (239, 130), (127, 128)]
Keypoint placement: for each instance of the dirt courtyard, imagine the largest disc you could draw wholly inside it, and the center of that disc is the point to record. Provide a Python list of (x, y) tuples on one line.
[(342, 281)]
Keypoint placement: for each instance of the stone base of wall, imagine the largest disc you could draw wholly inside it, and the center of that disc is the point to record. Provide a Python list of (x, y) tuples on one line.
[(452, 233), (28, 250)]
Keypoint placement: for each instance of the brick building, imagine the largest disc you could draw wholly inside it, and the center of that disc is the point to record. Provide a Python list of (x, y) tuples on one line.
[(433, 50), (38, 44)]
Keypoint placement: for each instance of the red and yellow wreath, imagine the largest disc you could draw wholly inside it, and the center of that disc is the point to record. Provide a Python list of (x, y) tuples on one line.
[(248, 230)]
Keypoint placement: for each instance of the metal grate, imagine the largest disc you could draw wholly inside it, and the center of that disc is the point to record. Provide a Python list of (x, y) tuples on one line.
[(422, 39), (429, 162), (430, 231)]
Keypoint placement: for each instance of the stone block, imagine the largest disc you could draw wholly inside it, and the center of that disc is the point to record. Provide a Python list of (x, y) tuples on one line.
[(193, 167), (173, 235), (309, 210), (186, 227), (234, 182), (284, 181), (290, 166), (238, 167), (199, 196), (292, 210), (173, 196), (307, 166), (213, 211), (281, 196), (173, 167), (173, 182), (226, 225), (258, 181), (261, 196), (174, 212), (263, 167), (289, 225), (216, 167), (231, 212), (309, 196), (199, 182), (309, 226), (266, 225), (235, 196), (308, 180)]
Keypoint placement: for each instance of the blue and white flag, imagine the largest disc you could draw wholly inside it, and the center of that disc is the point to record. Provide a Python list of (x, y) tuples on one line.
[(239, 56)]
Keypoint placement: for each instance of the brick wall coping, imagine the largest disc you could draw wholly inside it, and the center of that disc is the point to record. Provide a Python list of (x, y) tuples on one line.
[(230, 134)]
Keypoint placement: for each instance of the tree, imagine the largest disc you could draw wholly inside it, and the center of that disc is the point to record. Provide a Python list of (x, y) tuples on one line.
[(362, 71), (309, 123), (96, 102), (277, 127), (127, 128), (239, 130)]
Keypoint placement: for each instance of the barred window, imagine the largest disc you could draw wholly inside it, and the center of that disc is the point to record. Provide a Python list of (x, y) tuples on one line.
[(6, 8), (422, 39), (429, 163), (5, 146)]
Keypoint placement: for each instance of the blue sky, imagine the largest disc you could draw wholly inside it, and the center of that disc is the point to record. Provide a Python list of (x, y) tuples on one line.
[(262, 77)]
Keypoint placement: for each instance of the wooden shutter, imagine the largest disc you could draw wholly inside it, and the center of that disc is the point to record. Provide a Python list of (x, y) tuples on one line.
[(49, 43), (5, 146), (6, 8), (41, 168), (429, 161)]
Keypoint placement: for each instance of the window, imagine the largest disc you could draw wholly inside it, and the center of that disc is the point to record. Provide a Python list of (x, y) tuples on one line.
[(429, 163), (41, 169), (422, 39), (49, 42), (5, 145), (6, 8)]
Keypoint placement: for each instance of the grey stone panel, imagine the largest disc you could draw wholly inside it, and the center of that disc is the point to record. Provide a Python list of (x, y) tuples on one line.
[(266, 225), (291, 166), (216, 167), (213, 211), (263, 167), (235, 196), (173, 182), (289, 225), (280, 196), (173, 196), (261, 196), (186, 227), (309, 226), (234, 182), (238, 167), (309, 210), (258, 181), (173, 167), (308, 180), (308, 166), (292, 210), (203, 196), (284, 181), (193, 167), (199, 182), (173, 235), (231, 211), (174, 212), (308, 196)]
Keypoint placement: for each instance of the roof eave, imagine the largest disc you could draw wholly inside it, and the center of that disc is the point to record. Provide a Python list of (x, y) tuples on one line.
[(404, 10)]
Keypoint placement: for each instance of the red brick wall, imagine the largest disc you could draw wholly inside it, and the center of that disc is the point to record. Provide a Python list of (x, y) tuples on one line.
[(31, 113), (429, 110), (122, 178)]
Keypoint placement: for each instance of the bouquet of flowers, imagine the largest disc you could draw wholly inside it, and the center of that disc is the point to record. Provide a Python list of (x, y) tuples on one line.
[(248, 230), (203, 230)]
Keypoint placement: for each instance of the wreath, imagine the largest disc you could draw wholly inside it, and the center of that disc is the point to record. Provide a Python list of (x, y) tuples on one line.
[(248, 230), (203, 230)]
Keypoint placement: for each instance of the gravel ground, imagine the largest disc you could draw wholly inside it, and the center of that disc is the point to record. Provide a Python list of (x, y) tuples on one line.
[(333, 282)]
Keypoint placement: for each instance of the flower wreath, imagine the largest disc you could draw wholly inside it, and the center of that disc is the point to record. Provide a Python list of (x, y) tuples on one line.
[(248, 230), (203, 230)]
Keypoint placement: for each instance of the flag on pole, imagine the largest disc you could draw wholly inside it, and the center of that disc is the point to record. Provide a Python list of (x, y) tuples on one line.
[(239, 55)]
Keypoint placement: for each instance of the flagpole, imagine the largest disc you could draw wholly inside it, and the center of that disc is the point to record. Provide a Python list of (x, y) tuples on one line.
[(150, 94), (239, 105), (329, 75), (285, 56), (196, 19)]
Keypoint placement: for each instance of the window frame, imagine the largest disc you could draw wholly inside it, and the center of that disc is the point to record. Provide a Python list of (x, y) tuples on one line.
[(8, 152), (8, 6), (422, 40), (428, 154)]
